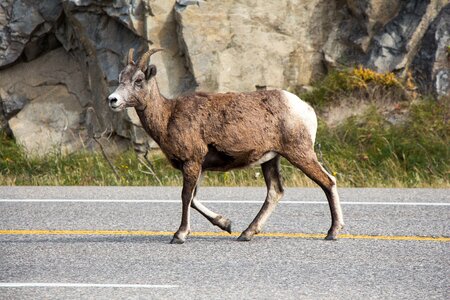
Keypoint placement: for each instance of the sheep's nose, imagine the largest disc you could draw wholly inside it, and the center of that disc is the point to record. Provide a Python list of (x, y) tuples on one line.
[(112, 100)]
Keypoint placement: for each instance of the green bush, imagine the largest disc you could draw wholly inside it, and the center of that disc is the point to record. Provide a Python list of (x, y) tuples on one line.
[(358, 83)]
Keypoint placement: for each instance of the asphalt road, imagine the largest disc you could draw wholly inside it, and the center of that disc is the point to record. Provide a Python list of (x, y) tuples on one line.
[(100, 263)]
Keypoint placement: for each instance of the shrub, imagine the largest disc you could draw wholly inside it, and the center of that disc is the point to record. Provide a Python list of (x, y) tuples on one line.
[(359, 82)]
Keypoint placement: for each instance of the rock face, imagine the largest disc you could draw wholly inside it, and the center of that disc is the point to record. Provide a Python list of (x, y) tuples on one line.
[(59, 59), (26, 28), (43, 100), (431, 64), (388, 47), (236, 45)]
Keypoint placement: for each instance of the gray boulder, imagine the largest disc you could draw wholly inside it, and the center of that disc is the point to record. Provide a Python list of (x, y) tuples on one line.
[(43, 102)]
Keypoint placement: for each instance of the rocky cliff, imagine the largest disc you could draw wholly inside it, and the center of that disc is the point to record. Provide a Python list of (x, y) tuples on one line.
[(59, 59)]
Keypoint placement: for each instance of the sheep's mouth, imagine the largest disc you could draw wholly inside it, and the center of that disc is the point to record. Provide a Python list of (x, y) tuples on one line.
[(117, 108)]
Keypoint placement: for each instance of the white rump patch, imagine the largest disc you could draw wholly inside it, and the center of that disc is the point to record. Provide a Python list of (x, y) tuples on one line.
[(266, 157), (303, 111)]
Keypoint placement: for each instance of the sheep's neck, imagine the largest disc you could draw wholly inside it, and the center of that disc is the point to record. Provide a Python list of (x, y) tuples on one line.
[(155, 116)]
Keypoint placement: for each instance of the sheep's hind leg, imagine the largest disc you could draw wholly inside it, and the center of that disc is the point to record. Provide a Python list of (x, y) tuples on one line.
[(272, 177), (216, 219), (313, 169)]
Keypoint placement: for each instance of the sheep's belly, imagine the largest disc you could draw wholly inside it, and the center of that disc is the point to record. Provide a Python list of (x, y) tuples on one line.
[(266, 157), (216, 160)]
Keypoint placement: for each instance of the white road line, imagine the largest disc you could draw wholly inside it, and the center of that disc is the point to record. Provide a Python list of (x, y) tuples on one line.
[(84, 285), (219, 201)]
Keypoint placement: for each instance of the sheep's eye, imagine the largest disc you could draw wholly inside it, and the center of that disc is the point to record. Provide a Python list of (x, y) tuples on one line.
[(138, 82)]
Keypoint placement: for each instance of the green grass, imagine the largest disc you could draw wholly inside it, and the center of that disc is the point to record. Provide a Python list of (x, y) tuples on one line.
[(365, 151), (369, 151)]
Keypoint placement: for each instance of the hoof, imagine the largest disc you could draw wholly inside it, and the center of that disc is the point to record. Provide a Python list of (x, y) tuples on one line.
[(227, 226), (245, 237), (333, 232), (177, 240), (331, 237), (223, 223)]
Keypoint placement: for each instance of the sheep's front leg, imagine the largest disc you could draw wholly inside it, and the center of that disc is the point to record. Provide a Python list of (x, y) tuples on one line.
[(191, 174)]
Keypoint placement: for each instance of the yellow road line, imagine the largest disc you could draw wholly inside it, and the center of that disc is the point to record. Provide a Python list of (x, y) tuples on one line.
[(219, 234)]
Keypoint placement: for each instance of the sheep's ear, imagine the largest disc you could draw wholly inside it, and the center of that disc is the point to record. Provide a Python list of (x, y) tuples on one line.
[(150, 72)]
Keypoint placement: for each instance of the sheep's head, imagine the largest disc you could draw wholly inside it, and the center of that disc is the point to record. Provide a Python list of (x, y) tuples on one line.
[(133, 83)]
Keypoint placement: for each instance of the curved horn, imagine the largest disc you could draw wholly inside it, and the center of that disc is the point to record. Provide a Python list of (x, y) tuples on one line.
[(130, 56), (143, 62)]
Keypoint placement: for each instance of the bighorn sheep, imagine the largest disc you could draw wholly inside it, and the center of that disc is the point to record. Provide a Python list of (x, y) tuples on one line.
[(221, 132)]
